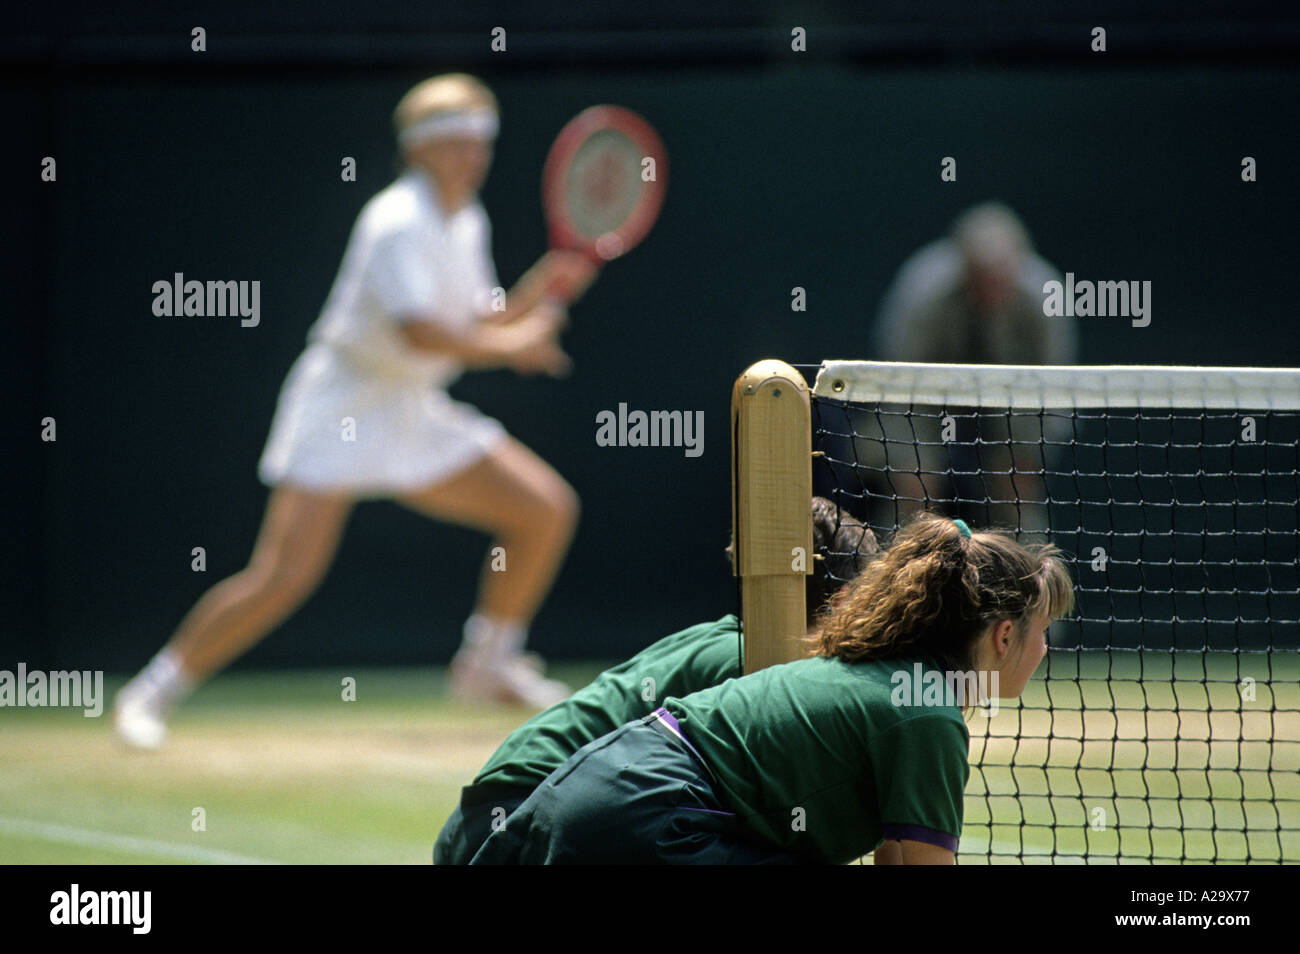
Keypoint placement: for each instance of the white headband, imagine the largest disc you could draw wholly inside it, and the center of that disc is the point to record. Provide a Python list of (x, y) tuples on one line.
[(467, 124)]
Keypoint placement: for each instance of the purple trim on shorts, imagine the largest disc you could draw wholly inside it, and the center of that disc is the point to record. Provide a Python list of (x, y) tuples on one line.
[(665, 723), (668, 717), (930, 836)]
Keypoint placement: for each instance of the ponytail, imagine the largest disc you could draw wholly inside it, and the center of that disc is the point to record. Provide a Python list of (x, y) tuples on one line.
[(935, 590)]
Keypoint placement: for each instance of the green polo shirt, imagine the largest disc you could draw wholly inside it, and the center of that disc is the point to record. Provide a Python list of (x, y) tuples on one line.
[(816, 757), (696, 658)]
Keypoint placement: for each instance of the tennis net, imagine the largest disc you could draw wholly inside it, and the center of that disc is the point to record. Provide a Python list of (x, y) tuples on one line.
[(1164, 725)]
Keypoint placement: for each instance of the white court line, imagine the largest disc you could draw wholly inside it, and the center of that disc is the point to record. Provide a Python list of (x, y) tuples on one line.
[(86, 838)]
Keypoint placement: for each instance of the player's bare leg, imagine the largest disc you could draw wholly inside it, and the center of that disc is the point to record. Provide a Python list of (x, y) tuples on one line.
[(296, 545), (531, 512)]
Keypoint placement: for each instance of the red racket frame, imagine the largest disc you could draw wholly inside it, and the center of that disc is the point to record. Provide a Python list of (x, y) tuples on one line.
[(560, 158)]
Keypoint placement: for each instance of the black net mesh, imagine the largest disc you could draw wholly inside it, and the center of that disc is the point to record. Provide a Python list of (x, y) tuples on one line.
[(1164, 726)]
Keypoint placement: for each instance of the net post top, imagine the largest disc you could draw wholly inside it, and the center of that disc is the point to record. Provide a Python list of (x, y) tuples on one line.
[(762, 372)]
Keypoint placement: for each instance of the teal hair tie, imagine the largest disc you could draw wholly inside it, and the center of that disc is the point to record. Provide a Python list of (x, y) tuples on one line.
[(962, 528)]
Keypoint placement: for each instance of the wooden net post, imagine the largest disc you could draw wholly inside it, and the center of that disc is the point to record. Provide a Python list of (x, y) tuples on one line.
[(771, 517)]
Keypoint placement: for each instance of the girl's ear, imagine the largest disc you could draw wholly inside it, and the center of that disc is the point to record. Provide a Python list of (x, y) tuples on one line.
[(1003, 632)]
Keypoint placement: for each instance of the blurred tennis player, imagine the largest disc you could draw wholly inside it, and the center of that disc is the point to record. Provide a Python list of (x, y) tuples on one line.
[(365, 414)]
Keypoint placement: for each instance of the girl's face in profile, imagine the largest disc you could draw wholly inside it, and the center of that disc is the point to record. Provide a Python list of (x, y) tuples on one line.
[(1022, 661), (1013, 651)]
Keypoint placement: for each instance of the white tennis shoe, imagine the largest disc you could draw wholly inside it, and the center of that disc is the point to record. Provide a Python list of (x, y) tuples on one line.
[(138, 723), (516, 680)]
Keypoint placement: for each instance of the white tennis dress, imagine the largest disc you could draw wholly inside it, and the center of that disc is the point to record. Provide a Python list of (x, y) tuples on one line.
[(361, 409)]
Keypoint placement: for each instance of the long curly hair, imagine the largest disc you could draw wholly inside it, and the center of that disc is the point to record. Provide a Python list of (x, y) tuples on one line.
[(933, 591)]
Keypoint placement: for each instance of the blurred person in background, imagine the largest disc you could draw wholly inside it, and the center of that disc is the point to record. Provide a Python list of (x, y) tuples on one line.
[(974, 296)]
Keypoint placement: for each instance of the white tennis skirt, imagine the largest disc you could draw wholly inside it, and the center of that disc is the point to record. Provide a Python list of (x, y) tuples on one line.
[(339, 428)]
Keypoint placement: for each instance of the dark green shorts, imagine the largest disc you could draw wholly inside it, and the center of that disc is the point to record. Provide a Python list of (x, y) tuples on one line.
[(481, 808), (638, 795)]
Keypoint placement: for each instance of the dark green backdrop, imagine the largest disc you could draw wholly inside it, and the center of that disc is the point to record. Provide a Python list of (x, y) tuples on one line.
[(822, 177)]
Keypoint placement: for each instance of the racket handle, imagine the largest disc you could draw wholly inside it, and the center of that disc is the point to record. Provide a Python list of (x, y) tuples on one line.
[(559, 292), (564, 291)]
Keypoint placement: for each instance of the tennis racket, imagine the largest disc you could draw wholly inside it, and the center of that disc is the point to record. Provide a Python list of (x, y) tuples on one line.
[(604, 183)]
